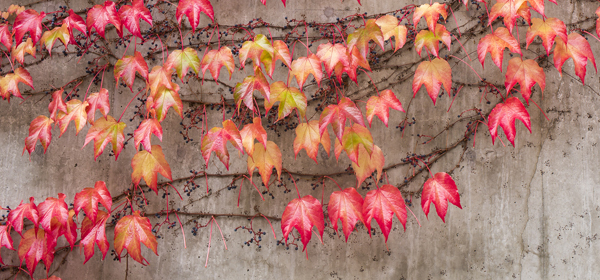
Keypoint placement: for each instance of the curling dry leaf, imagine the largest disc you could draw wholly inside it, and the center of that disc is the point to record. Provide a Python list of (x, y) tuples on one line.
[(345, 205), (216, 140), (129, 232), (379, 106), (302, 214), (526, 73), (505, 115), (265, 160), (439, 190), (105, 130), (381, 204), (40, 128), (495, 43), (146, 164), (433, 74)]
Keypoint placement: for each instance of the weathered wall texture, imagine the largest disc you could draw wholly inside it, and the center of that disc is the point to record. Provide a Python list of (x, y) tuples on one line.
[(529, 212)]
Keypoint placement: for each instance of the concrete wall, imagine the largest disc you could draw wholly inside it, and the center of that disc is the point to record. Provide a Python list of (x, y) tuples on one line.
[(529, 212)]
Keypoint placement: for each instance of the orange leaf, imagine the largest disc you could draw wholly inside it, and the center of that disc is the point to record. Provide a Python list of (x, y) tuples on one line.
[(433, 74), (280, 52), (254, 49), (526, 73), (308, 138), (129, 232), (303, 66), (9, 84), (495, 43), (367, 164), (214, 60), (40, 128), (128, 65), (390, 26), (253, 131), (362, 36), (34, 248), (18, 53), (379, 106), (216, 140), (577, 48), (103, 131), (166, 98), (331, 55), (243, 91), (431, 13), (182, 61), (160, 76), (50, 37), (265, 160), (430, 40), (75, 112), (336, 116), (142, 134), (510, 10), (146, 164), (547, 30)]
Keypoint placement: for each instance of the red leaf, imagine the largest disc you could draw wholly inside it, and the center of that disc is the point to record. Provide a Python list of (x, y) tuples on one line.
[(28, 210), (40, 128), (433, 74), (130, 16), (495, 43), (97, 100), (510, 10), (303, 66), (379, 106), (99, 16), (5, 36), (547, 30), (94, 233), (5, 239), (439, 190), (146, 164), (88, 200), (128, 65), (331, 55), (303, 214), (345, 205), (74, 21), (69, 230), (103, 131), (34, 248), (336, 116), (57, 107), (129, 232), (165, 98), (142, 134), (216, 140), (505, 114), (577, 48), (75, 112), (9, 84), (28, 21), (381, 204), (53, 208), (214, 60), (192, 9), (253, 131), (526, 73), (160, 77)]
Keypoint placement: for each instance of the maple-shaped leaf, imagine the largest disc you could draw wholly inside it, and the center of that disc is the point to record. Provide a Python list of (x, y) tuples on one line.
[(75, 112), (280, 52), (98, 101), (379, 106), (214, 60), (130, 16), (6, 36), (303, 214), (192, 9), (5, 239), (331, 55), (58, 33), (166, 98), (243, 91), (182, 61), (34, 248), (129, 232), (510, 10), (362, 36), (308, 137), (253, 131), (27, 210), (336, 116), (433, 74), (40, 128), (216, 140), (146, 164), (505, 115), (128, 65), (439, 190), (57, 107), (538, 6), (18, 53), (254, 49), (53, 208), (88, 199), (355, 59), (526, 73), (430, 40), (289, 98), (303, 66), (547, 30), (381, 204), (105, 130), (368, 163), (142, 134), (160, 76), (431, 13), (265, 160), (577, 48), (94, 232), (9, 84), (69, 230), (28, 21), (390, 26), (495, 43), (74, 21), (99, 16), (345, 205), (354, 137)]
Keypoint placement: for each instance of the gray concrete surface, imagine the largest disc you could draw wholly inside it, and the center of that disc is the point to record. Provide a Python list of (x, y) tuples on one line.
[(529, 212)]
